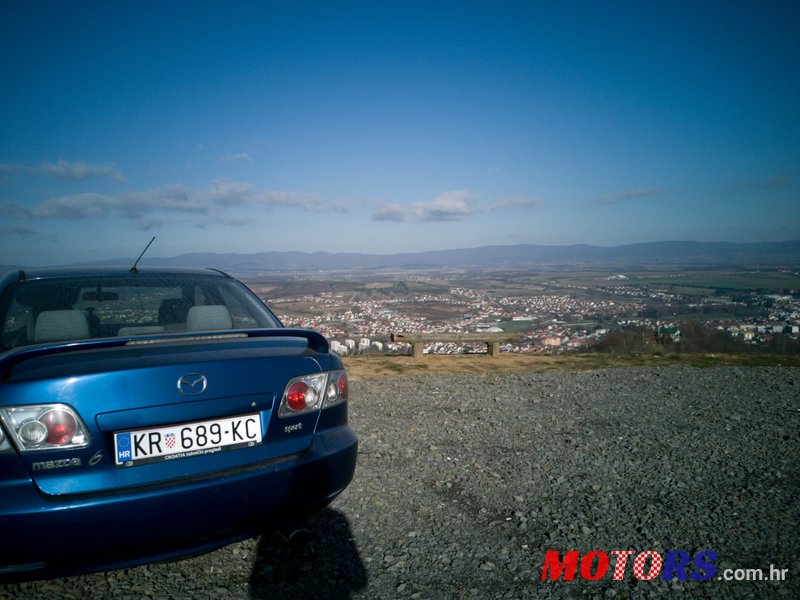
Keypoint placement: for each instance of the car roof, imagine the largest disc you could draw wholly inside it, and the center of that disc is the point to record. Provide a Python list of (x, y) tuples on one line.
[(102, 271)]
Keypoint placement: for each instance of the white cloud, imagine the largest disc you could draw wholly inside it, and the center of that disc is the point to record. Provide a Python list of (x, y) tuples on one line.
[(82, 170), (242, 157), (389, 212), (228, 193), (146, 207), (633, 194), (454, 205), (227, 221), (78, 206), (516, 202), (13, 210), (25, 231), (147, 224), (129, 204), (284, 198)]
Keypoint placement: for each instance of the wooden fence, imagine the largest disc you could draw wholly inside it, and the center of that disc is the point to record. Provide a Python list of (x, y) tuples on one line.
[(418, 340)]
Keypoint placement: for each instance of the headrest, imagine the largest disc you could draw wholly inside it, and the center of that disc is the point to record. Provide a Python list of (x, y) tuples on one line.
[(205, 318), (61, 325)]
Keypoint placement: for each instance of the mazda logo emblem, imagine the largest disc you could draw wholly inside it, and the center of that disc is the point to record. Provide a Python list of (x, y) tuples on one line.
[(192, 384)]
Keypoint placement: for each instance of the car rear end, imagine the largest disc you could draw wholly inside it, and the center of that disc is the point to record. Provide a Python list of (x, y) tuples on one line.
[(121, 450)]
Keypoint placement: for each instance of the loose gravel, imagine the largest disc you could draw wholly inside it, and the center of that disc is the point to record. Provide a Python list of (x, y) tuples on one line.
[(465, 482)]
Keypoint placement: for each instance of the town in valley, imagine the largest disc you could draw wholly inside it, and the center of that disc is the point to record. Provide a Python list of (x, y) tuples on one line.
[(548, 311)]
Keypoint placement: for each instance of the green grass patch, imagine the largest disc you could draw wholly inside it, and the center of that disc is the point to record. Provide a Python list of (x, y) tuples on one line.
[(703, 282)]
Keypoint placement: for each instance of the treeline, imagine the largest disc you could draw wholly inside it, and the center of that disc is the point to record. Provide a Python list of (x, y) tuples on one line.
[(694, 337)]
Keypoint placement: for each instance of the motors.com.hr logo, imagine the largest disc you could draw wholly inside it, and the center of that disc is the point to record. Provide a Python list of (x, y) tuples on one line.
[(648, 565)]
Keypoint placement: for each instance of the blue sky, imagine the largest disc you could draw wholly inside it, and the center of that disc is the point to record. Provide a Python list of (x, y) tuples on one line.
[(387, 127)]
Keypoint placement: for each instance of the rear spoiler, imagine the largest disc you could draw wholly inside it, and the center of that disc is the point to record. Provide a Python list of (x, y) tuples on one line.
[(316, 342)]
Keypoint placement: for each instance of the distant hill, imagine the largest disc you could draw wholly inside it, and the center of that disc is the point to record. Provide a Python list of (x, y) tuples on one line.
[(649, 255)]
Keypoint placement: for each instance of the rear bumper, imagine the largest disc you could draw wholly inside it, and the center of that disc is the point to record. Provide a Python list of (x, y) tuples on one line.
[(57, 536)]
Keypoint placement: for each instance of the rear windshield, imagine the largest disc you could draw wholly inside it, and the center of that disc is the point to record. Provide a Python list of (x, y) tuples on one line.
[(66, 309)]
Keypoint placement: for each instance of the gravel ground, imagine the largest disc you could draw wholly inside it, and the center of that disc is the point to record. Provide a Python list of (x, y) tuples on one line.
[(465, 482)]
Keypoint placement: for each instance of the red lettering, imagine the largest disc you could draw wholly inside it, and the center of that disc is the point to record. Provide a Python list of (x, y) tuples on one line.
[(622, 561), (602, 565), (557, 567)]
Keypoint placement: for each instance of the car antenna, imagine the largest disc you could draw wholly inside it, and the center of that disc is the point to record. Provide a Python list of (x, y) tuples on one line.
[(133, 268)]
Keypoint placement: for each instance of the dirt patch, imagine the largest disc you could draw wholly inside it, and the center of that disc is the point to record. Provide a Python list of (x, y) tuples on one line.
[(370, 366)]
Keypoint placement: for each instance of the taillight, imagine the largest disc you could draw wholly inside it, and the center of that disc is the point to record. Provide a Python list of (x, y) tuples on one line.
[(61, 426), (313, 392), (44, 427), (301, 396), (338, 388)]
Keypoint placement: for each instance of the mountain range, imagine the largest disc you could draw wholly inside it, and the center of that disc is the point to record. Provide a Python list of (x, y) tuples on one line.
[(658, 255)]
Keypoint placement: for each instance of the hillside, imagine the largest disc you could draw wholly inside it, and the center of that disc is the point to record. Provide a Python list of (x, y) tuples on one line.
[(668, 254)]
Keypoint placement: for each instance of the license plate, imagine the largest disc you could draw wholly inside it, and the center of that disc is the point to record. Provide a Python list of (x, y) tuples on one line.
[(174, 442)]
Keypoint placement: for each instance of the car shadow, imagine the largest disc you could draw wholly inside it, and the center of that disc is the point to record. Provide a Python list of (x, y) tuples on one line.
[(326, 565)]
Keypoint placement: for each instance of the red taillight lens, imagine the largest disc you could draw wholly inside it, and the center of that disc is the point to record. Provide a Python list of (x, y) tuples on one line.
[(306, 393), (61, 426), (342, 383), (296, 395)]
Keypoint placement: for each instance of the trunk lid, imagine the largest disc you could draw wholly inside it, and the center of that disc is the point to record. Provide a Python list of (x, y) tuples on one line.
[(136, 390)]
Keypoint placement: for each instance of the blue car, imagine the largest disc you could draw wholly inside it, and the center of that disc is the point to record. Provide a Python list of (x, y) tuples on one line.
[(150, 414)]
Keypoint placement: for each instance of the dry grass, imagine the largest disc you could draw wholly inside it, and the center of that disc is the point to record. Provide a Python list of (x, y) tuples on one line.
[(369, 366)]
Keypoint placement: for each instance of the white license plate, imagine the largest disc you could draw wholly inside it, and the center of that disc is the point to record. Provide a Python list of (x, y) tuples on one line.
[(187, 439)]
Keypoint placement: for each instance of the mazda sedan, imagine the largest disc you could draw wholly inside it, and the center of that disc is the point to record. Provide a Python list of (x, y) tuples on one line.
[(152, 414)]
